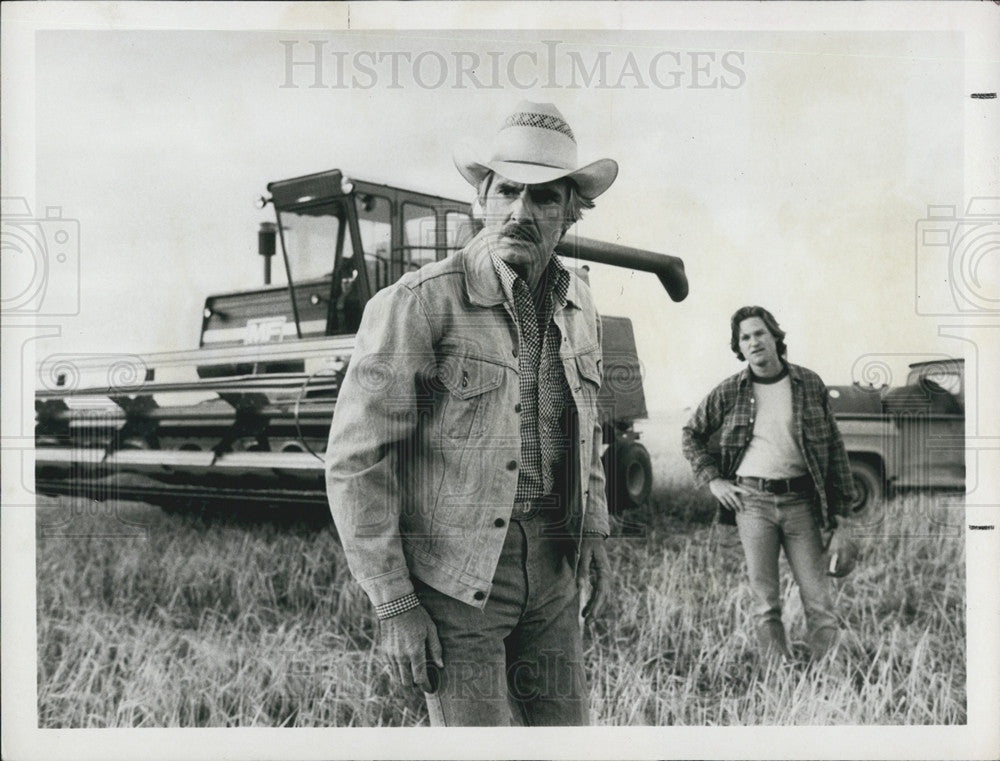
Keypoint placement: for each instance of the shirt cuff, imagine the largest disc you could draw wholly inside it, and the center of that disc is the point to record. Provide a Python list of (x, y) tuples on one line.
[(707, 474), (397, 606)]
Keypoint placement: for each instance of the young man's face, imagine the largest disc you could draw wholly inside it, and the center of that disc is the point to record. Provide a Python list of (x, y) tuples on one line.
[(759, 347), (529, 220)]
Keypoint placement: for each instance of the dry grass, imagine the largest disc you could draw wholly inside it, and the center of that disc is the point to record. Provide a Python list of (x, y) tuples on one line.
[(677, 649), (147, 619)]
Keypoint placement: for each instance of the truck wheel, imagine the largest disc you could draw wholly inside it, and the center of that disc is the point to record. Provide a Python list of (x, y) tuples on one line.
[(633, 475), (868, 485)]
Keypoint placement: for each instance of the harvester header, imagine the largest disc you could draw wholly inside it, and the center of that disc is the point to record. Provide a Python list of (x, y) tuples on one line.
[(245, 416)]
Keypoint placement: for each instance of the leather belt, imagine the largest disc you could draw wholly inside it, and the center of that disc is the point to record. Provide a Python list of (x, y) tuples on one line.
[(798, 484)]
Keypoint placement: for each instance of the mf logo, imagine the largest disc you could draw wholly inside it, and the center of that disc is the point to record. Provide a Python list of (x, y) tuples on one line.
[(265, 330)]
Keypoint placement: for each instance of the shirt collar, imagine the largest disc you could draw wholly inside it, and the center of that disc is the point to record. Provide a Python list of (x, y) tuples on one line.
[(482, 279), (793, 373), (557, 282), (777, 378)]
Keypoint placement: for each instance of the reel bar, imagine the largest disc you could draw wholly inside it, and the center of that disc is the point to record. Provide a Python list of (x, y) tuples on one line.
[(157, 460), (237, 384)]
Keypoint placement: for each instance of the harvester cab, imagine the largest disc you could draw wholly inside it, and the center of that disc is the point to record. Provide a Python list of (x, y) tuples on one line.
[(340, 241), (244, 418)]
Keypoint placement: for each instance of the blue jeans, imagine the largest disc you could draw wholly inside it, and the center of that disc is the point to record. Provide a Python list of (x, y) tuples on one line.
[(520, 659), (768, 522)]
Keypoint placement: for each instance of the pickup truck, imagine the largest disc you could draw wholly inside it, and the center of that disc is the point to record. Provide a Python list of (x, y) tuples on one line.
[(904, 438)]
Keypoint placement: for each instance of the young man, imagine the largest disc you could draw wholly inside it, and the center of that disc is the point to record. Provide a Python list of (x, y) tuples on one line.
[(463, 468), (781, 468)]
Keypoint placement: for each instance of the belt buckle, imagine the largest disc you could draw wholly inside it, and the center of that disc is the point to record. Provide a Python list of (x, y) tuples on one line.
[(523, 514)]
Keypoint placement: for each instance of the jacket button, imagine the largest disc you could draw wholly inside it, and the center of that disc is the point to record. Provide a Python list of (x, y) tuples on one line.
[(479, 595), (517, 407), (514, 351), (512, 465), (499, 523)]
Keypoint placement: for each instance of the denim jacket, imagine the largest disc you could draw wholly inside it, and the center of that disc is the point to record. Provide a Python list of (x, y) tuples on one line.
[(422, 461), (729, 410)]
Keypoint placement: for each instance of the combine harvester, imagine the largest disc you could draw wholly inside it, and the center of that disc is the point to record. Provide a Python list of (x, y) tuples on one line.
[(244, 418)]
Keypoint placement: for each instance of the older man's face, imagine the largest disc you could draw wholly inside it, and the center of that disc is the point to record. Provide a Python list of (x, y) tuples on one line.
[(529, 220)]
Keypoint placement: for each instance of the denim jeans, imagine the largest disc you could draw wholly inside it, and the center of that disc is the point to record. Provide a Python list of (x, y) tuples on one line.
[(768, 522), (519, 660)]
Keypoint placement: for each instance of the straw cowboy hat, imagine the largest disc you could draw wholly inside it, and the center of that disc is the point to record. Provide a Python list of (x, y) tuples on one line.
[(535, 145)]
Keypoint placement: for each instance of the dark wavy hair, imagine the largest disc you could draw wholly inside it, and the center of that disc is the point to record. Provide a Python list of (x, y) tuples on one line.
[(744, 313)]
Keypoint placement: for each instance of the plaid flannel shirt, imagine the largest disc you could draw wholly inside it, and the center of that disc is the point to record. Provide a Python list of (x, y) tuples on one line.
[(728, 411)]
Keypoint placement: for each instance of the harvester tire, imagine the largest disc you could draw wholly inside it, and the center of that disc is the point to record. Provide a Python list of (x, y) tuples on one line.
[(633, 475)]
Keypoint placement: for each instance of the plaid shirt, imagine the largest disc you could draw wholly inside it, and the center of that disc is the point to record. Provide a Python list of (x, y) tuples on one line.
[(542, 381), (729, 410)]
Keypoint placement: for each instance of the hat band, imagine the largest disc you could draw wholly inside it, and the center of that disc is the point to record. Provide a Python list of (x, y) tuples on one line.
[(541, 121), (542, 164)]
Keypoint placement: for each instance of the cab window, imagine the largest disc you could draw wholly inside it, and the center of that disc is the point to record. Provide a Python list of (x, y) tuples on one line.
[(419, 236)]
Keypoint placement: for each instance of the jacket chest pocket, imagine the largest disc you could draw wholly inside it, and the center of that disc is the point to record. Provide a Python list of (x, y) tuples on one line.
[(467, 383)]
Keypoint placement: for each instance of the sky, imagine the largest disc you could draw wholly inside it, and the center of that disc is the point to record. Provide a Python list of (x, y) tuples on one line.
[(785, 169)]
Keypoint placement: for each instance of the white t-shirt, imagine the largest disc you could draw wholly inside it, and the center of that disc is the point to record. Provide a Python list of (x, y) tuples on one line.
[(772, 452)]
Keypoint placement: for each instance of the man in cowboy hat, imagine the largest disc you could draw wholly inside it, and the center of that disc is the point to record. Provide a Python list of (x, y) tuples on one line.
[(463, 469)]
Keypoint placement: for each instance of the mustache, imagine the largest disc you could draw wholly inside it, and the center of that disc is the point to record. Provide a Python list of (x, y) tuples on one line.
[(519, 231)]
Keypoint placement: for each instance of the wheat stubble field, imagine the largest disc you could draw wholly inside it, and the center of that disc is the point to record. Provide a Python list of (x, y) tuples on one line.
[(153, 620)]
